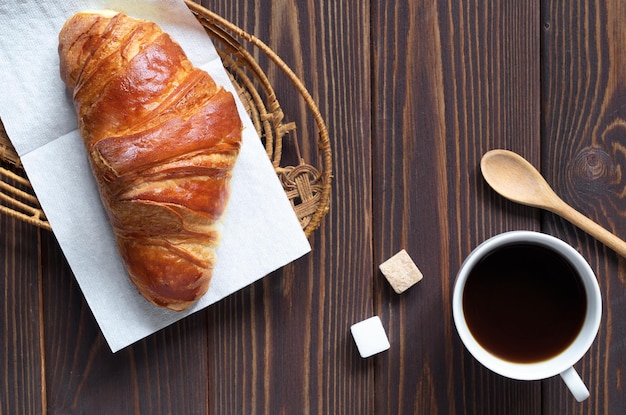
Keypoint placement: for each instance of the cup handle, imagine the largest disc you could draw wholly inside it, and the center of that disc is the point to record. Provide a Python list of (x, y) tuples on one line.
[(575, 384)]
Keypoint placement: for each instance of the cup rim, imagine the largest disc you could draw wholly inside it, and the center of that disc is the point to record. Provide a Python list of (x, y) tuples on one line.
[(546, 368)]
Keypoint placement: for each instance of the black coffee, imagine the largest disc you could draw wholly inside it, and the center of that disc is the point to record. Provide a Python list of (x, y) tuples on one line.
[(524, 303)]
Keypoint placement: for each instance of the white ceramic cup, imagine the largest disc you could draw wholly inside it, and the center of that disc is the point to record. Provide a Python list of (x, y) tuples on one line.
[(561, 364)]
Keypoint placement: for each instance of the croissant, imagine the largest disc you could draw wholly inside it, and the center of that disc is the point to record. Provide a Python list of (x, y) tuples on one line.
[(162, 139)]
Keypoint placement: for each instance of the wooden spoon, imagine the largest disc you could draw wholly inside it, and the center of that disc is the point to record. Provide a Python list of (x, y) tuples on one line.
[(516, 179)]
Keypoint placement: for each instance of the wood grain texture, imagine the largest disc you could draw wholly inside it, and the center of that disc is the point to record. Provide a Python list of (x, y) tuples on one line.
[(451, 81), (293, 351), (583, 153), (22, 384)]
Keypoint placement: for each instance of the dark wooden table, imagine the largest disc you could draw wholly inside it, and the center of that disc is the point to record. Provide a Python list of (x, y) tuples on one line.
[(414, 93)]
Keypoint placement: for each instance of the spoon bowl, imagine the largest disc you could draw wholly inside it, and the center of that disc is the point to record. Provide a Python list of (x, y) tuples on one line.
[(514, 178)]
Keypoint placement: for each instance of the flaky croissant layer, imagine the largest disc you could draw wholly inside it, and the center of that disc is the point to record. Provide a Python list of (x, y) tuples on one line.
[(162, 139)]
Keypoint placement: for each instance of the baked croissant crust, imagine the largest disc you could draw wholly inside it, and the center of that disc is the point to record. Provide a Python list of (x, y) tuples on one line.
[(162, 139)]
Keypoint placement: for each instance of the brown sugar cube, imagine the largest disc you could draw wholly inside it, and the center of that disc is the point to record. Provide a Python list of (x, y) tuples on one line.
[(401, 272)]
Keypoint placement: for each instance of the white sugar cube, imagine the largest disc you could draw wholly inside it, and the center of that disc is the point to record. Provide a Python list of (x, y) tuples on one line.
[(401, 272), (370, 337)]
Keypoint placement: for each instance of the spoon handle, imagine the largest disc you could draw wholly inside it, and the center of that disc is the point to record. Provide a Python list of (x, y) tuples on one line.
[(591, 227)]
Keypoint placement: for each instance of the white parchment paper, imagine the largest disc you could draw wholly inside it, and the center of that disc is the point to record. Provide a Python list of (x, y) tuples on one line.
[(260, 231)]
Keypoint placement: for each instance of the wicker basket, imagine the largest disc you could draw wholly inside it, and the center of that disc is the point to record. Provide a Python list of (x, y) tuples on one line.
[(307, 186)]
